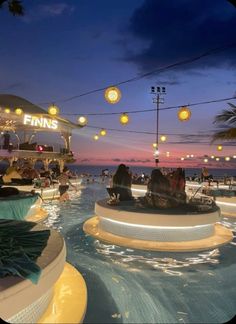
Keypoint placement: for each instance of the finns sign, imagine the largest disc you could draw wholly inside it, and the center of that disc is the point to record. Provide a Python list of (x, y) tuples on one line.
[(41, 122)]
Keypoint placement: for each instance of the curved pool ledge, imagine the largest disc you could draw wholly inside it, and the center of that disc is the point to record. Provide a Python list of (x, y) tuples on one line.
[(23, 206), (60, 296), (146, 228)]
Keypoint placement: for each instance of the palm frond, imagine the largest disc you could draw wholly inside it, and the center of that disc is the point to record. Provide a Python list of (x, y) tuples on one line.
[(16, 8), (227, 115), (227, 135)]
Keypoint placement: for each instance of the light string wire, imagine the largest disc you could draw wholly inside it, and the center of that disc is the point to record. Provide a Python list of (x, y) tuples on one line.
[(144, 75), (152, 109)]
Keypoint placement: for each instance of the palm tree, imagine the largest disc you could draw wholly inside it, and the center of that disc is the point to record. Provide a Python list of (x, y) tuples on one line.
[(14, 6), (228, 117)]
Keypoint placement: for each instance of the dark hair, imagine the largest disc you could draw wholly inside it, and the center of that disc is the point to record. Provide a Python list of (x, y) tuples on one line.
[(159, 180), (122, 176)]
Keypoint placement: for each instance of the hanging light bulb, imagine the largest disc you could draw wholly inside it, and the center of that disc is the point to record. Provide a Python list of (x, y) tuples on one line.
[(182, 159), (192, 155), (53, 110), (227, 158), (96, 137), (7, 110), (217, 159), (205, 160), (184, 113), (167, 154), (212, 157), (154, 145), (82, 121), (219, 147), (124, 119), (234, 156), (18, 111), (103, 132), (112, 95), (163, 138)]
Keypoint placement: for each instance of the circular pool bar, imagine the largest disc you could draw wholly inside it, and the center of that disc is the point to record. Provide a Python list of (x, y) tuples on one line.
[(186, 228)]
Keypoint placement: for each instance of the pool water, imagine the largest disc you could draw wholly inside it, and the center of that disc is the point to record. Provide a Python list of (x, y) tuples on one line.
[(134, 286)]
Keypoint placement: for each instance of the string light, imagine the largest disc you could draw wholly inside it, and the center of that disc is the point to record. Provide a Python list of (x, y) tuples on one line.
[(96, 137), (219, 147), (163, 138), (112, 95), (103, 132), (7, 110), (124, 119), (53, 110), (82, 121), (184, 113), (18, 111), (227, 158)]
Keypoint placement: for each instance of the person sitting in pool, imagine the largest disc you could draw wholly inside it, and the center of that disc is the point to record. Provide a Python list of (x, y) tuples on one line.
[(158, 191), (121, 182), (29, 172), (12, 172), (64, 183)]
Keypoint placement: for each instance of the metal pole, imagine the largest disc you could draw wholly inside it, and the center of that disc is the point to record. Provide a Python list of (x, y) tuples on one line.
[(157, 130)]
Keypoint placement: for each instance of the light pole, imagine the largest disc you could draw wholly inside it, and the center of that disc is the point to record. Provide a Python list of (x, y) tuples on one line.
[(157, 92)]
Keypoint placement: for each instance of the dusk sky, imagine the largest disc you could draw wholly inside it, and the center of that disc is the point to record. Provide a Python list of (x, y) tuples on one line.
[(62, 49)]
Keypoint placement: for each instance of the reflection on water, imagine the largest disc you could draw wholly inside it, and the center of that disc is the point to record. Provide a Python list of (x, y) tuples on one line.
[(134, 286), (126, 258)]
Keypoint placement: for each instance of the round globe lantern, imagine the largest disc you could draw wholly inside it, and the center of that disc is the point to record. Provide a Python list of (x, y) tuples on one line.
[(18, 111), (53, 110), (103, 132), (82, 121), (112, 95), (184, 113), (124, 119)]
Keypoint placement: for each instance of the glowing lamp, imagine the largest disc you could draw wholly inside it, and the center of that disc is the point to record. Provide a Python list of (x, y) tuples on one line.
[(83, 121), (156, 153), (205, 160), (217, 159), (212, 157), (18, 111), (167, 154), (227, 158), (154, 145), (96, 137), (53, 110), (124, 119), (112, 95), (219, 147), (234, 156), (182, 159), (191, 155), (184, 113), (187, 156), (163, 138), (7, 110), (103, 132)]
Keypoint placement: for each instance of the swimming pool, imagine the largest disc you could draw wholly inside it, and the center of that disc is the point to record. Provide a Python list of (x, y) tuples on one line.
[(133, 286)]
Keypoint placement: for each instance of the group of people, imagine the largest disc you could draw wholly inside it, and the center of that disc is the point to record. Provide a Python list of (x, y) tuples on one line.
[(163, 191), (27, 174)]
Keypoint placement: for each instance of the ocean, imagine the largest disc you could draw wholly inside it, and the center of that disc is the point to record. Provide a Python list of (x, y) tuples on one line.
[(96, 170)]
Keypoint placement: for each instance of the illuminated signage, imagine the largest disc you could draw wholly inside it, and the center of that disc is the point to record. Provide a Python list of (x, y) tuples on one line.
[(41, 122)]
